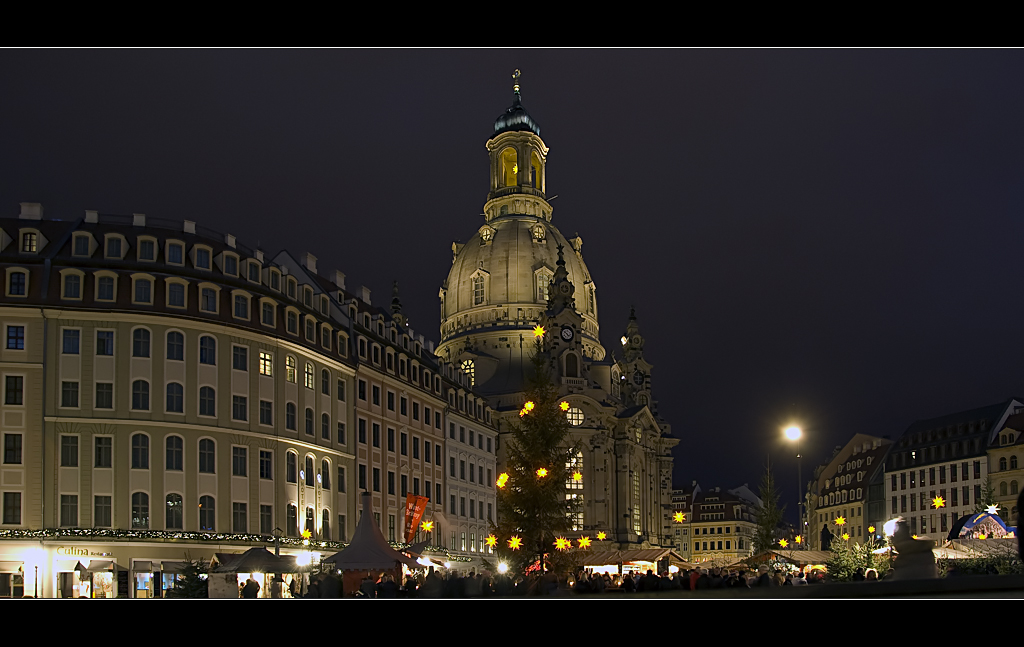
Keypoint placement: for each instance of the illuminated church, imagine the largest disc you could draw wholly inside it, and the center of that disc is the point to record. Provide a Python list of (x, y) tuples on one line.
[(518, 271)]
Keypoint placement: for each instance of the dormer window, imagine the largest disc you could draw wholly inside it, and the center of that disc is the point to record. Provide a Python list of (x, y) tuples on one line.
[(307, 297), (292, 285), (275, 280), (324, 305), (29, 242), (175, 253), (147, 249), (82, 245), (254, 271), (113, 247), (231, 264), (202, 259)]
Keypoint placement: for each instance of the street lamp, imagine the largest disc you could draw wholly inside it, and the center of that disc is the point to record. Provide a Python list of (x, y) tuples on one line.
[(794, 434)]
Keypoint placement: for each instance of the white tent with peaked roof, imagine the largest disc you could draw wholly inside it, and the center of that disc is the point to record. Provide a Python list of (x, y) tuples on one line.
[(368, 550)]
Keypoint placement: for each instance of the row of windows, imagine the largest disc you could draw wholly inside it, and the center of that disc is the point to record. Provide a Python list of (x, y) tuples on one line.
[(917, 477), (476, 472), (475, 511), (403, 480), (476, 439), (924, 501), (403, 444)]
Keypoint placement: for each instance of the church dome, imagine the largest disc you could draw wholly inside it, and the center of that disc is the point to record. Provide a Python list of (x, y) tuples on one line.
[(500, 280)]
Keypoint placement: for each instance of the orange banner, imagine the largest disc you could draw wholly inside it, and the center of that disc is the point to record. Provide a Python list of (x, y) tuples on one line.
[(414, 507)]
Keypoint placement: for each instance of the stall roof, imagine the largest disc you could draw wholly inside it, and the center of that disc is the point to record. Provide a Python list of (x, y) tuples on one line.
[(604, 557), (368, 549), (254, 560)]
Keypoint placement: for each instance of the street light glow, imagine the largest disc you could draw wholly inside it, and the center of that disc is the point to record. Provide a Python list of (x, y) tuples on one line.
[(793, 432)]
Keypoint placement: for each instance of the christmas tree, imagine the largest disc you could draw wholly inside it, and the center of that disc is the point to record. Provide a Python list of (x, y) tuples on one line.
[(533, 509)]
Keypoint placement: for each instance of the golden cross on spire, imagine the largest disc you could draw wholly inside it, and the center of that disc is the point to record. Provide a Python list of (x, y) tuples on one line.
[(515, 81)]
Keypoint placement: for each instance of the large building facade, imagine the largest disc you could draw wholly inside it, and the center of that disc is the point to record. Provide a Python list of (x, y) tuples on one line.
[(517, 272), (168, 391)]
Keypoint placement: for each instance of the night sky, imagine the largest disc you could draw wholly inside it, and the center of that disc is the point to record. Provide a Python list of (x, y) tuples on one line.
[(826, 237)]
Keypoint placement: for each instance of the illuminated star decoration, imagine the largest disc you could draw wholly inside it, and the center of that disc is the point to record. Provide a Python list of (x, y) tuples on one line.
[(783, 543), (576, 476), (914, 537), (584, 542), (542, 472), (992, 509), (799, 539), (602, 535), (871, 529), (846, 536), (502, 479), (561, 543), (529, 406), (491, 541), (563, 405), (538, 331), (938, 502), (427, 526), (678, 517), (515, 542), (306, 534), (840, 521)]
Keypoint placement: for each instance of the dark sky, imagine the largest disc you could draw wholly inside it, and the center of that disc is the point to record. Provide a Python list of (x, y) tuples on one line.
[(829, 237)]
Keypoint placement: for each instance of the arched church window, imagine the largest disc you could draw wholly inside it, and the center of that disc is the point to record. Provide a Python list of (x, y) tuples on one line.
[(536, 177), (1013, 487), (1013, 462), (538, 232), (478, 290), (572, 365), (1002, 463), (543, 287), (590, 300), (1002, 489), (509, 167), (469, 368)]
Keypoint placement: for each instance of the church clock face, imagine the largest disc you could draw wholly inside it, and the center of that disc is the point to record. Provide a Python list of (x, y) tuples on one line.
[(567, 333), (638, 378)]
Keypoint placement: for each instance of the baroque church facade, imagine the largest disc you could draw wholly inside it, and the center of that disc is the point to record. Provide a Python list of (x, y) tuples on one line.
[(517, 272)]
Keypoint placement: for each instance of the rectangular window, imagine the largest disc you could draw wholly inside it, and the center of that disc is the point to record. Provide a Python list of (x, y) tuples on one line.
[(113, 248), (376, 435), (239, 457), (376, 396), (341, 479), (341, 433), (104, 451), (391, 482), (266, 413), (12, 449), (403, 409), (12, 507), (240, 358), (102, 511), (405, 485), (81, 246), (266, 364), (341, 390), (362, 477), (239, 407), (977, 469), (15, 337), (391, 401), (105, 342), (437, 454), (69, 394), (14, 389), (239, 523), (451, 466), (147, 250), (361, 431), (69, 451), (376, 479), (404, 444), (362, 390), (268, 314), (952, 473), (69, 510), (266, 520), (104, 395), (143, 291), (176, 295), (391, 439), (71, 341), (202, 258), (452, 508), (241, 306), (266, 465), (415, 447)]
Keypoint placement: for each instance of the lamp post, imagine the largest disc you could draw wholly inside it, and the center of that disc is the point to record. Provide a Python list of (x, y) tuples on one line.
[(794, 434), (277, 583)]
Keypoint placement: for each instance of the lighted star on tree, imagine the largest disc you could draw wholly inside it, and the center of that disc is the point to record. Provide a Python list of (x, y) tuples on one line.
[(914, 537), (538, 331), (871, 529), (601, 536), (576, 476), (783, 543), (515, 543), (306, 534), (584, 542), (561, 543), (840, 521), (529, 406), (938, 502), (542, 472), (491, 541), (679, 517), (798, 539), (427, 526), (563, 405), (846, 536), (502, 479), (992, 509)]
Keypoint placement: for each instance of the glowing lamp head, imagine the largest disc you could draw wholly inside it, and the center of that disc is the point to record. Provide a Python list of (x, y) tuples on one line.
[(306, 534), (529, 406), (889, 527), (992, 509), (502, 567), (793, 432)]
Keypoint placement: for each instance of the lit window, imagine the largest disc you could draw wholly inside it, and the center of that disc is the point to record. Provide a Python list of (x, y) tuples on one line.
[(266, 363), (290, 369), (309, 375)]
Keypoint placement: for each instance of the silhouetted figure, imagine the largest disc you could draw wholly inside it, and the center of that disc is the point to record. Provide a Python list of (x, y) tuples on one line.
[(914, 560)]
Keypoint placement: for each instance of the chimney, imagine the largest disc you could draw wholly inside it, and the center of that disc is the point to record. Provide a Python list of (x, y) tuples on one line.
[(92, 216), (259, 255), (339, 279), (229, 240), (189, 227), (31, 211), (139, 219), (309, 262), (364, 294)]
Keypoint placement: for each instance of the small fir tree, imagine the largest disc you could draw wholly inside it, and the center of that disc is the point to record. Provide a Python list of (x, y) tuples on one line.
[(769, 514), (193, 583), (535, 508), (988, 496)]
